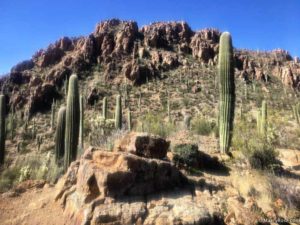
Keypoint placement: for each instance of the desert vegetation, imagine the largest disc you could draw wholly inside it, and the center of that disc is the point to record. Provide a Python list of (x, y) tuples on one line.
[(224, 128)]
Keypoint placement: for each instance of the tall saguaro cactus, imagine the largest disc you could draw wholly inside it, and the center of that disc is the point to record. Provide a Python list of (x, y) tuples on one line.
[(72, 121), (118, 113), (227, 91), (104, 108), (129, 120), (2, 128), (60, 134), (81, 125), (52, 114), (263, 120)]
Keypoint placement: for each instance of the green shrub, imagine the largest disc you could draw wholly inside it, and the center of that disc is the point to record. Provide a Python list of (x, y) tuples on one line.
[(259, 152), (34, 167), (155, 124), (8, 178), (202, 126), (185, 155)]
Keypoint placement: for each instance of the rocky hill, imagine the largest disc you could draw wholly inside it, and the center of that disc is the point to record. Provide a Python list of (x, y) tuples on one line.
[(119, 49), (164, 166)]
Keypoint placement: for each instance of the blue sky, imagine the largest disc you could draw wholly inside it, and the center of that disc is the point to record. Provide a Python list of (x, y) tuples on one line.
[(26, 26)]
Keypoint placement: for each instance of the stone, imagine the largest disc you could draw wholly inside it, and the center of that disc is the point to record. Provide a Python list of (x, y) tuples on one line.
[(143, 144), (114, 184), (114, 174)]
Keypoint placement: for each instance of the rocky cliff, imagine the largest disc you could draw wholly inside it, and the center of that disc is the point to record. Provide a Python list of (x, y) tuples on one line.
[(118, 49)]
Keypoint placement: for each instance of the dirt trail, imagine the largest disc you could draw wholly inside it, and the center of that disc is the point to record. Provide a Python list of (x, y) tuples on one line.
[(33, 207)]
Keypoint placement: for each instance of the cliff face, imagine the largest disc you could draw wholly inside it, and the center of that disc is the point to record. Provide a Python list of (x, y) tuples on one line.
[(122, 50)]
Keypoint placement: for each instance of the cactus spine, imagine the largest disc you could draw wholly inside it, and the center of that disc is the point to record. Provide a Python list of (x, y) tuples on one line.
[(227, 91), (104, 108), (60, 134), (72, 121), (81, 126), (118, 113), (2, 128)]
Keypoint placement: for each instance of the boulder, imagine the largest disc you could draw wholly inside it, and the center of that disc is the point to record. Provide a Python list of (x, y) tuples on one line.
[(116, 174), (121, 188), (104, 177), (143, 144)]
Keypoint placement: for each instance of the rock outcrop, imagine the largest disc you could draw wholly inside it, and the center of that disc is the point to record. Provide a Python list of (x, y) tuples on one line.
[(144, 145), (111, 187), (118, 48)]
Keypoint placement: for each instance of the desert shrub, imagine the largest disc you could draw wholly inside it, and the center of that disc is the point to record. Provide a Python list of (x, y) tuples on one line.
[(186, 101), (185, 155), (288, 190), (155, 124), (8, 178), (202, 126), (107, 141), (262, 156), (258, 151), (34, 167)]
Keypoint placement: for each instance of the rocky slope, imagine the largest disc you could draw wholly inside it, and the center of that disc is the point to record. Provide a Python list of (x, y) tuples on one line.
[(119, 49)]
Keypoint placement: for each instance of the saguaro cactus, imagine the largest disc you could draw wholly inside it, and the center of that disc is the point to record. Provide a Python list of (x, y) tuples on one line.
[(258, 120), (296, 112), (263, 121), (140, 101), (169, 108), (227, 91), (72, 121), (2, 128), (81, 126), (12, 123), (129, 120), (104, 108), (118, 113), (60, 134), (52, 114)]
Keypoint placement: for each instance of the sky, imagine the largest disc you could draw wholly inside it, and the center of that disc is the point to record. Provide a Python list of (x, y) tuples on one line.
[(29, 25)]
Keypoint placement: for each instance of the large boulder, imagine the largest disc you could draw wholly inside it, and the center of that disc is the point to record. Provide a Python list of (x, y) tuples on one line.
[(115, 174), (143, 144), (104, 177)]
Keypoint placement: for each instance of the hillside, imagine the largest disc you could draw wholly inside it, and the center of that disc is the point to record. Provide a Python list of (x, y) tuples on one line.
[(166, 75)]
